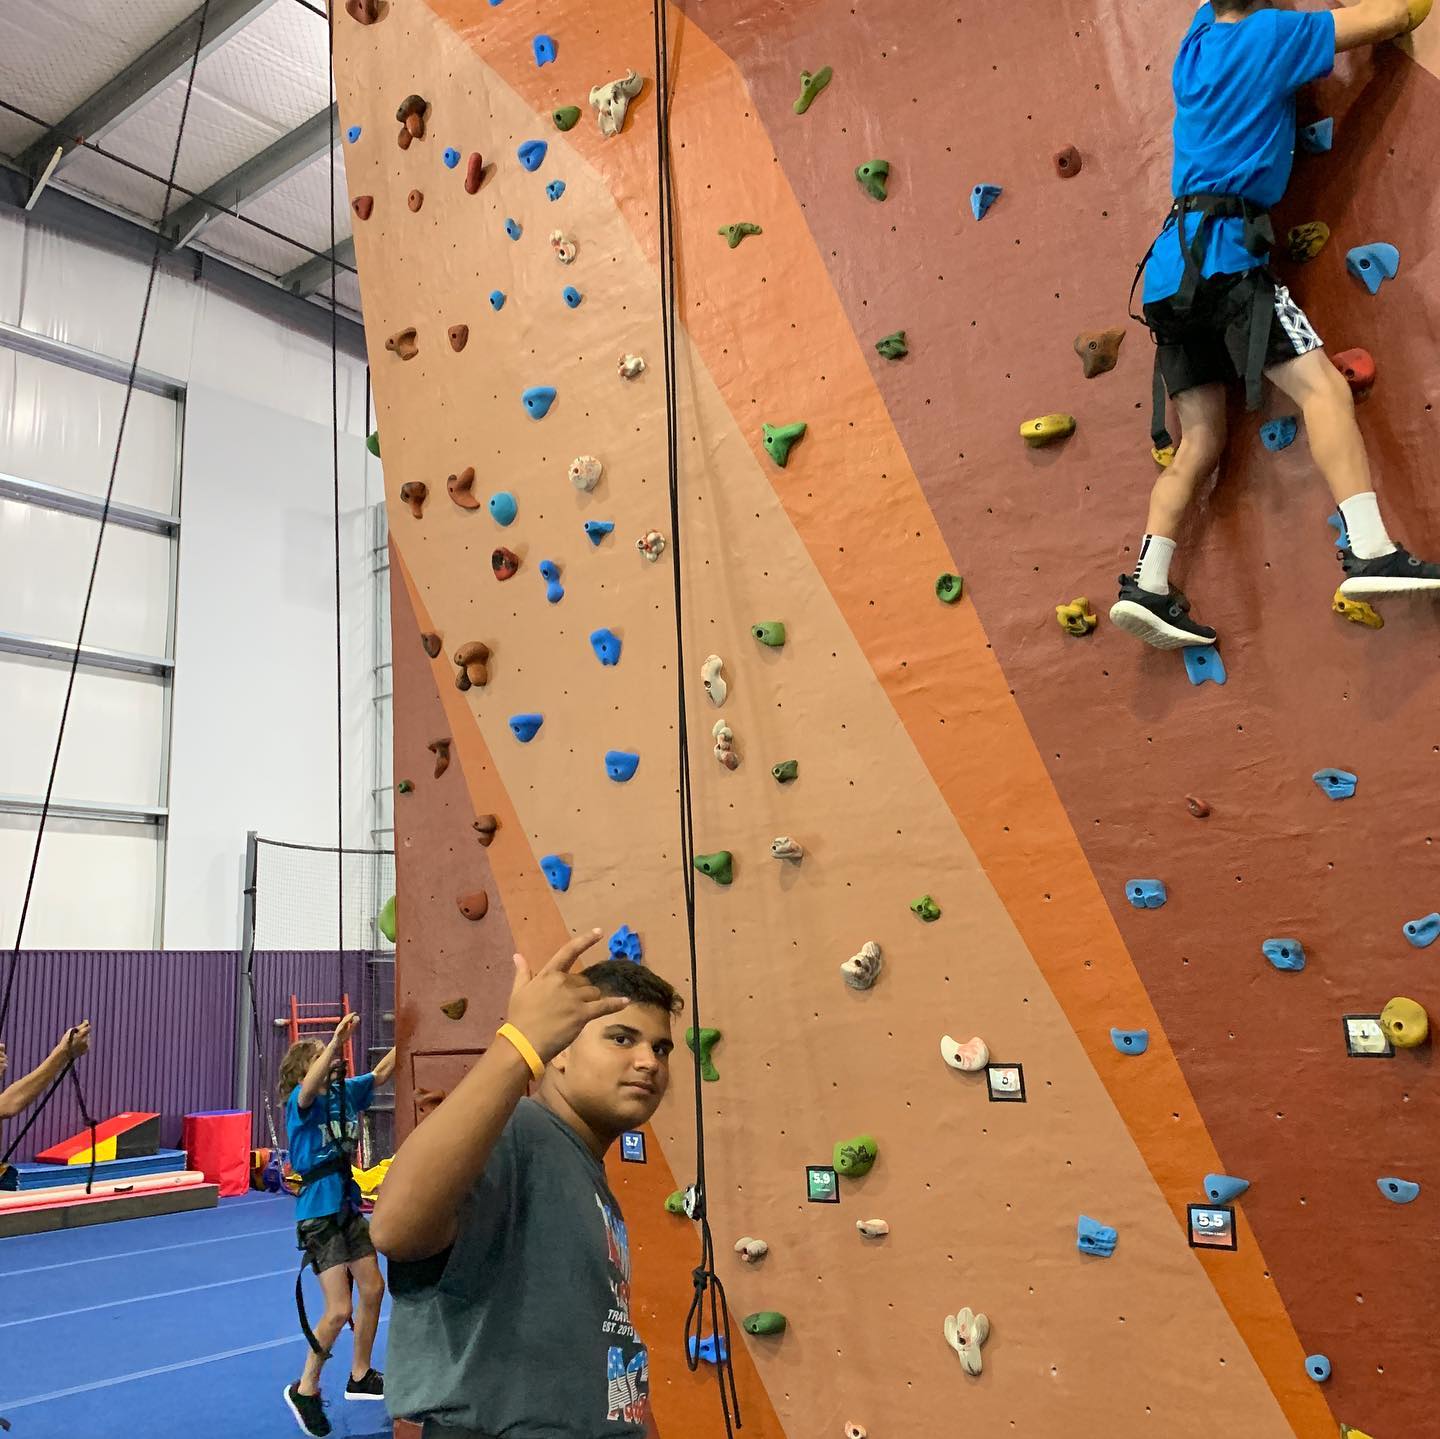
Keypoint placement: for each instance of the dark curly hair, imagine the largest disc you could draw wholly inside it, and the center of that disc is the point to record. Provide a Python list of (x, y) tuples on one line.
[(634, 982)]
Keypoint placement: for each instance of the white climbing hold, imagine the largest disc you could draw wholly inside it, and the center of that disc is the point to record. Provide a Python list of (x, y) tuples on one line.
[(564, 248), (972, 1056), (855, 1431), (715, 685), (863, 969), (872, 1228), (631, 366), (585, 472), (751, 1250), (651, 544), (783, 847), (965, 1333), (611, 101), (724, 738)]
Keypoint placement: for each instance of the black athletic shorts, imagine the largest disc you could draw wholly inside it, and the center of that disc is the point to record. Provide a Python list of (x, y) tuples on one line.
[(337, 1239), (1209, 340)]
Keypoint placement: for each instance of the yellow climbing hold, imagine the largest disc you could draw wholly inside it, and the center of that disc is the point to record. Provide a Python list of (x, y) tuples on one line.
[(1076, 618), (1047, 429), (1405, 1023), (1357, 612), (1419, 12), (1164, 458), (1349, 1431), (1306, 241)]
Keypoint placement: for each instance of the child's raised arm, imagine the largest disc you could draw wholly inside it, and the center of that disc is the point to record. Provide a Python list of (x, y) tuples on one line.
[(315, 1076), (1368, 22)]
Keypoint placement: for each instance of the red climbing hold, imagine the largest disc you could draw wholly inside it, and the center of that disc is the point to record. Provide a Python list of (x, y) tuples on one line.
[(362, 206), (432, 644), (411, 114), (504, 562), (1358, 367), (460, 486), (1197, 807), (473, 660), (1099, 351), (404, 138), (415, 199), (459, 334), (413, 494), (403, 343), (485, 827), (474, 173), (1067, 162), (474, 906), (363, 12), (440, 748)]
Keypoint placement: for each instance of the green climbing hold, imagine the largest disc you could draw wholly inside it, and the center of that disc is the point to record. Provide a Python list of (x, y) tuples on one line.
[(769, 632), (785, 771), (810, 87), (565, 117), (779, 438), (856, 1157), (675, 1203), (926, 908), (406, 786), (767, 1321), (708, 1040), (735, 233), (893, 347), (372, 443), (385, 920), (718, 866), (872, 176), (949, 588)]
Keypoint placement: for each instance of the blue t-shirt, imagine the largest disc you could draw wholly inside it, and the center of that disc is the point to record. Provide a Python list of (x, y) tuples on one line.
[(311, 1134), (1235, 90)]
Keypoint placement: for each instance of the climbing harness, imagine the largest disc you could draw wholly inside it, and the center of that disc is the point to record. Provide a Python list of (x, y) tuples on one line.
[(1259, 238)]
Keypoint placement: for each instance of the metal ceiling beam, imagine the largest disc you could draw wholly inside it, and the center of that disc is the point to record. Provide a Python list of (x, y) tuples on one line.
[(142, 78), (258, 174), (307, 278)]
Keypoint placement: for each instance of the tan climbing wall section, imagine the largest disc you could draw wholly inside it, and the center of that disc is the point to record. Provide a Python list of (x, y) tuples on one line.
[(918, 772)]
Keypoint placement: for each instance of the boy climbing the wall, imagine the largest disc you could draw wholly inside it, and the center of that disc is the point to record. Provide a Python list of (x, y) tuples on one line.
[(1218, 314), (322, 1123), (509, 1260)]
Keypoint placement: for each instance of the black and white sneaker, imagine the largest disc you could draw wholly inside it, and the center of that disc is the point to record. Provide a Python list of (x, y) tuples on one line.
[(1160, 620), (371, 1385), (308, 1409), (1398, 573)]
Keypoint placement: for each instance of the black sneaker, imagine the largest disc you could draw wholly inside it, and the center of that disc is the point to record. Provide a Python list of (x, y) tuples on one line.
[(308, 1409), (1160, 620), (1398, 573), (370, 1386)]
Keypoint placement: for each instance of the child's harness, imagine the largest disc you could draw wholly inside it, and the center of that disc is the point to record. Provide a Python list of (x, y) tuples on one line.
[(1258, 239)]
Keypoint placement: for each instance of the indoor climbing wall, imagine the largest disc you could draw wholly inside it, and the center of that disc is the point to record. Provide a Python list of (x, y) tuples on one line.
[(1173, 942)]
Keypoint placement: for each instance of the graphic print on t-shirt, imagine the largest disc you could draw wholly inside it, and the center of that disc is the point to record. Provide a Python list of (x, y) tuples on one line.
[(627, 1365)]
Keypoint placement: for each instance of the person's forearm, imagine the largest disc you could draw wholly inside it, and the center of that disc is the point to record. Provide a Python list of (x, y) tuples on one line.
[(385, 1068), (419, 1202), (318, 1072), (28, 1088), (1368, 22)]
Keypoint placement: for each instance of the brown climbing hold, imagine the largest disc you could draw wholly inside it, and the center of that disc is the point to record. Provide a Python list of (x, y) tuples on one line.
[(473, 660), (485, 827), (432, 644), (456, 1008), (440, 748), (460, 486), (362, 206), (403, 343), (504, 562), (1197, 807), (474, 906), (474, 173), (415, 199), (411, 114), (459, 334), (1099, 351), (426, 1100), (363, 12), (404, 138), (413, 494), (1067, 162)]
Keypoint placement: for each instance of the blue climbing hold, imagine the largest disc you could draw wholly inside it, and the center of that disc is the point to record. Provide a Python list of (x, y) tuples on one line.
[(1093, 1238), (497, 299), (1317, 1366), (512, 228), (1316, 139), (1279, 434), (625, 944), (621, 765), (451, 157), (1203, 662), (1130, 1041), (503, 507), (711, 1350), (1284, 953), (1222, 1188), (1342, 535), (1372, 264), (556, 871), (606, 644), (555, 189), (537, 400), (571, 296), (1401, 1191), (526, 727), (550, 573), (544, 48), (532, 154), (1145, 893), (1423, 932), (981, 199), (1337, 783), (598, 529), (353, 134)]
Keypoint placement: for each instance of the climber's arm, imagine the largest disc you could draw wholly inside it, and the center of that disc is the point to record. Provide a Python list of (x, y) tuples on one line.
[(1368, 22)]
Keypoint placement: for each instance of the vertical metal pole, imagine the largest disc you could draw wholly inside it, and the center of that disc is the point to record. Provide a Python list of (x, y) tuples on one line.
[(244, 1025)]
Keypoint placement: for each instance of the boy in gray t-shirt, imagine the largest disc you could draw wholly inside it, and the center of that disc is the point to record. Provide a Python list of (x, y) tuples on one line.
[(509, 1260)]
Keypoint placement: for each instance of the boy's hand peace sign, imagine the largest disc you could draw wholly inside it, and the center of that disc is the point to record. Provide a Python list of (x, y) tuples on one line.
[(552, 1006)]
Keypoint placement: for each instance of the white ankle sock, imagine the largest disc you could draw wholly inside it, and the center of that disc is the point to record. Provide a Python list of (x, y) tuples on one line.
[(1368, 539), (1153, 570)]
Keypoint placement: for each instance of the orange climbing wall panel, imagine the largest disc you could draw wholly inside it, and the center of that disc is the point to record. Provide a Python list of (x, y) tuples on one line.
[(972, 753)]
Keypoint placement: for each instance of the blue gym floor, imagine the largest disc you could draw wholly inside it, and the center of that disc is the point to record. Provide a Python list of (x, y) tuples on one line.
[(182, 1325)]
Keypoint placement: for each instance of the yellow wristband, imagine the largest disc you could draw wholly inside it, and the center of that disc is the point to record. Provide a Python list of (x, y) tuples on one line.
[(527, 1050)]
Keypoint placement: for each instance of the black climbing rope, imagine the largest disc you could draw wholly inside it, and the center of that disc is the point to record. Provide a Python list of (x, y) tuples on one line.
[(12, 968), (706, 1281)]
